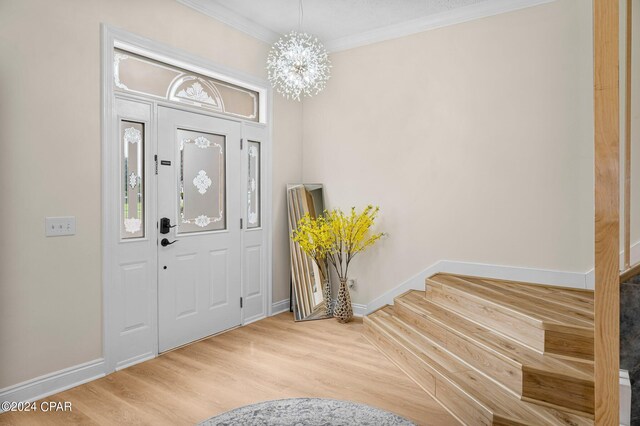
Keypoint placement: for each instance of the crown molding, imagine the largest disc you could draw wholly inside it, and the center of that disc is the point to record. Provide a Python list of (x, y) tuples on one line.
[(233, 19), (439, 20)]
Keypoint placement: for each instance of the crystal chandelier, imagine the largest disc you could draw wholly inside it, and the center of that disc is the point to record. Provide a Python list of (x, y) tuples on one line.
[(298, 64)]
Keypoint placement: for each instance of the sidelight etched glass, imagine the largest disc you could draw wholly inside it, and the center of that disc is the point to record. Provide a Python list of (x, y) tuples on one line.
[(253, 185), (132, 179)]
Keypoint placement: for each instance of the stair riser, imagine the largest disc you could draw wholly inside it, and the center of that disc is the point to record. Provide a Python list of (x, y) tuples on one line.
[(569, 344), (453, 399), (558, 391), (502, 320), (494, 367), (468, 413), (422, 376), (423, 323)]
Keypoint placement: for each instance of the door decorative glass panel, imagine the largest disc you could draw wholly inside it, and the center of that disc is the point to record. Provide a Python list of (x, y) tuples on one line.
[(137, 74), (201, 185), (132, 182), (253, 185)]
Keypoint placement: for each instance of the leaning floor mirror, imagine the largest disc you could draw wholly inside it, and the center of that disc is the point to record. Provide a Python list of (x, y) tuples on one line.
[(311, 288)]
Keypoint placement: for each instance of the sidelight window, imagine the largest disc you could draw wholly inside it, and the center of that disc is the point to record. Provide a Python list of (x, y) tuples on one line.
[(132, 179)]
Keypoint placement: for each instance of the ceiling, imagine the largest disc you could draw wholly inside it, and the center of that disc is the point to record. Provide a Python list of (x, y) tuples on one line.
[(343, 24)]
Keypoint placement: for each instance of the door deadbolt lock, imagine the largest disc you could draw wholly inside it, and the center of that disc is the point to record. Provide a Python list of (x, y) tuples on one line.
[(165, 225)]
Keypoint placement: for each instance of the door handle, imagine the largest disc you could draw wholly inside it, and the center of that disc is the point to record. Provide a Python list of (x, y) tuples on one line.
[(166, 242), (165, 225)]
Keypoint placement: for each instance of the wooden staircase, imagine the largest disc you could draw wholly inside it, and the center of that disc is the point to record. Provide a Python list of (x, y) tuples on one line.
[(494, 352)]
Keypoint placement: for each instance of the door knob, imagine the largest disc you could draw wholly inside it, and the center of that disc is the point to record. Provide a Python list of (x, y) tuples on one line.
[(166, 242)]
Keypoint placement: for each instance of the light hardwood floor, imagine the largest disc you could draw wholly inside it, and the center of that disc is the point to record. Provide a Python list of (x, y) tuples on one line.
[(271, 359)]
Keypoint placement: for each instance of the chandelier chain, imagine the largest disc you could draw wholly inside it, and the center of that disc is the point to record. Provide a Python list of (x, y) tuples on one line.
[(300, 15)]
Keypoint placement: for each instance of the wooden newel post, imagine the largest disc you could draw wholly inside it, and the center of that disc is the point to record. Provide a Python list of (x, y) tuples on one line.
[(607, 214)]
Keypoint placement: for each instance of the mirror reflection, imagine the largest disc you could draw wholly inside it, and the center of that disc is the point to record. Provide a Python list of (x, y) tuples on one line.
[(311, 290)]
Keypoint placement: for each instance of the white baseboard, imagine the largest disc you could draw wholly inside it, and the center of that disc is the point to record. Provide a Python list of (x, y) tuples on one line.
[(135, 360), (279, 307), (513, 273), (414, 283), (55, 382), (634, 258), (530, 275), (590, 280), (359, 310), (625, 398), (253, 319)]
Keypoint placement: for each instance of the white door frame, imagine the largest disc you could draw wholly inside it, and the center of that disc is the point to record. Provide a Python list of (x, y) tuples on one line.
[(114, 37)]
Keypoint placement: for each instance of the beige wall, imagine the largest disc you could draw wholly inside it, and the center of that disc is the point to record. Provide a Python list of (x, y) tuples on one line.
[(50, 288), (475, 140)]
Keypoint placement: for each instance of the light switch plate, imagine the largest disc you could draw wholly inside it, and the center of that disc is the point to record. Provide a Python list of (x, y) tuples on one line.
[(60, 226)]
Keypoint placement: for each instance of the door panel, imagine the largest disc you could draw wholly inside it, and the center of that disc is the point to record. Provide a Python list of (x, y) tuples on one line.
[(218, 278), (253, 250), (135, 278), (252, 278), (199, 191), (133, 270), (185, 281)]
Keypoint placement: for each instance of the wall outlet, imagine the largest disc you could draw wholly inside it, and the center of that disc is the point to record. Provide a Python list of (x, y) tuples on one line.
[(59, 226), (351, 282)]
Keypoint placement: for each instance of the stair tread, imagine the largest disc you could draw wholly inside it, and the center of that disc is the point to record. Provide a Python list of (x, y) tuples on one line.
[(508, 349), (492, 397), (579, 299), (536, 310), (553, 300)]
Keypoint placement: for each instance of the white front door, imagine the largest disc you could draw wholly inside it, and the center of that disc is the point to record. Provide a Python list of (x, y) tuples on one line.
[(199, 257)]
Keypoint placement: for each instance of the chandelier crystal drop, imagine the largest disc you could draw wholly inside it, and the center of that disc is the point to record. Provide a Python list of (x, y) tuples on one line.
[(298, 64)]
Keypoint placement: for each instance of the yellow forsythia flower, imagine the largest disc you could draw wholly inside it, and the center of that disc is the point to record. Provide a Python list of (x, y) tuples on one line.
[(337, 237)]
